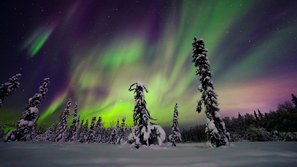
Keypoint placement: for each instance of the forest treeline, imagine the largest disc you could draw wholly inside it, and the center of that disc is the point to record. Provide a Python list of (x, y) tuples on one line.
[(277, 125)]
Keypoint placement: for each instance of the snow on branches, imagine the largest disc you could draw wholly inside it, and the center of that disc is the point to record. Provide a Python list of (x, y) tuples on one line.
[(175, 135), (26, 126), (9, 87), (143, 132), (216, 131)]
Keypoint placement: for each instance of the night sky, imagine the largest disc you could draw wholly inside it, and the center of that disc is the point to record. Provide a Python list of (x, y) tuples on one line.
[(92, 50)]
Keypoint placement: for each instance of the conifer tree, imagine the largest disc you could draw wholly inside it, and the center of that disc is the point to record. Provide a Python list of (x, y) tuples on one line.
[(84, 134), (215, 129), (74, 126), (175, 135), (294, 100), (261, 116), (114, 134), (256, 116), (50, 133), (91, 133), (99, 130), (61, 133), (142, 131), (81, 134), (257, 119), (26, 126), (9, 87), (121, 135)]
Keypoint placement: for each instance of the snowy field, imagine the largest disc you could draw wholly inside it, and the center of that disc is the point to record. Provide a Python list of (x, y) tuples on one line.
[(255, 154)]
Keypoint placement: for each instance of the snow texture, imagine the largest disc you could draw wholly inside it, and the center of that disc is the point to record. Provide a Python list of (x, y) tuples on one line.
[(241, 154)]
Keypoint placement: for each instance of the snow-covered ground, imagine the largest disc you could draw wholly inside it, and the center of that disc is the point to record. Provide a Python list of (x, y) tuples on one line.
[(255, 154)]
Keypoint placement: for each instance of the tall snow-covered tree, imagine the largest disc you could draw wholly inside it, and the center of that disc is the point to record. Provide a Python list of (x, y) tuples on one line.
[(144, 132), (26, 126), (91, 133), (72, 136), (9, 87), (175, 135), (215, 129), (61, 133)]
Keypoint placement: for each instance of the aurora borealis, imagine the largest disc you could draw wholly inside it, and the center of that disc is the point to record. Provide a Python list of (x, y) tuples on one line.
[(93, 50)]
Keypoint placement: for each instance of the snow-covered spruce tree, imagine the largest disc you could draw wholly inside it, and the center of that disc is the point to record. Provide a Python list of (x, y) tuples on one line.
[(114, 134), (83, 136), (61, 131), (26, 126), (50, 133), (215, 129), (143, 132), (81, 132), (121, 132), (98, 130), (72, 136), (175, 135), (91, 134), (9, 87)]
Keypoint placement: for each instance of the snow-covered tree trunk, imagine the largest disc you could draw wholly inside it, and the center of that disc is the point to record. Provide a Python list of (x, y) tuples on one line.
[(9, 87), (72, 137), (26, 126), (142, 131), (175, 135), (91, 133), (61, 133), (215, 129)]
